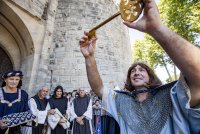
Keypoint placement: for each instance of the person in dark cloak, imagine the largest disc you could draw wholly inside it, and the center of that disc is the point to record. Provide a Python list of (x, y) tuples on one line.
[(108, 124), (81, 114), (12, 99), (61, 103)]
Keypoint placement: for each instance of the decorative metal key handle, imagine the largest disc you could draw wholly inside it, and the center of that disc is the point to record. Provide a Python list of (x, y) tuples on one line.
[(130, 10)]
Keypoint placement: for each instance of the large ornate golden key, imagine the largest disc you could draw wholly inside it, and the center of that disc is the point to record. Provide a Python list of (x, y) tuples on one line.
[(130, 10)]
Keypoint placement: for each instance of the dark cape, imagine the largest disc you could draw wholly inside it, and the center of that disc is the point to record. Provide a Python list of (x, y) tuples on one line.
[(17, 107), (61, 105), (41, 106), (80, 107), (109, 125)]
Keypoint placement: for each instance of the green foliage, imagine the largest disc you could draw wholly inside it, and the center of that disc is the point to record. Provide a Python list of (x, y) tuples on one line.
[(148, 51), (182, 16)]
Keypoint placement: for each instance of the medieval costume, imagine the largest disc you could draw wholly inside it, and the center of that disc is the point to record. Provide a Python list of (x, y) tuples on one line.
[(97, 117), (82, 106), (62, 105), (39, 108), (109, 124), (166, 111), (13, 102)]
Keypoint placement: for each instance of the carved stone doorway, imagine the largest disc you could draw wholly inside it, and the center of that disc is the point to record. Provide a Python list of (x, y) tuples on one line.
[(5, 63)]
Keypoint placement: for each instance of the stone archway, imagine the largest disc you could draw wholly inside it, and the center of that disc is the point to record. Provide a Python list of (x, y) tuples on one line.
[(6, 63), (16, 41)]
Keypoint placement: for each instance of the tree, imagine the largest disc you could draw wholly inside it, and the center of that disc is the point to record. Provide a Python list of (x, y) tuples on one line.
[(183, 18)]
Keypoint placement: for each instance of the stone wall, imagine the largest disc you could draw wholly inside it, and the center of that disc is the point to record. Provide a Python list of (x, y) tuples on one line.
[(113, 52), (54, 30), (34, 7)]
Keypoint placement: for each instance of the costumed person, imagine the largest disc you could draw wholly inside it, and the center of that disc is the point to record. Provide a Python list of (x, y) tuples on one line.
[(81, 114), (70, 100), (12, 99), (97, 116), (146, 106), (39, 107), (108, 124), (61, 103)]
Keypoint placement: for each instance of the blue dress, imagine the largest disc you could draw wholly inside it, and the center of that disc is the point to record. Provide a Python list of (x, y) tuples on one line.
[(166, 112), (16, 107)]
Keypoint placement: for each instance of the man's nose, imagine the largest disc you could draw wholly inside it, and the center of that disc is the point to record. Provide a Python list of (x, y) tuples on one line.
[(137, 72)]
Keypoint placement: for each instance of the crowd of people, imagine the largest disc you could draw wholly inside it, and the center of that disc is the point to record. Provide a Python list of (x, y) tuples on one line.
[(77, 112), (144, 106)]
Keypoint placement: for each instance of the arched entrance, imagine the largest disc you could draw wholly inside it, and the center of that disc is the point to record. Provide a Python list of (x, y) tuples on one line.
[(6, 63), (15, 42)]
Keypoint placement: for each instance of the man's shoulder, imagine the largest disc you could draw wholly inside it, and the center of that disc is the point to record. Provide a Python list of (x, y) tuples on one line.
[(166, 86)]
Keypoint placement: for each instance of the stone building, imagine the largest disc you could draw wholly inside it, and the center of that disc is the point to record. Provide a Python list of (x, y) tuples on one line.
[(40, 37)]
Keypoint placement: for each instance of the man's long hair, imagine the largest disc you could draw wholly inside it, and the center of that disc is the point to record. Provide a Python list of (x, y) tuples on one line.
[(154, 81)]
